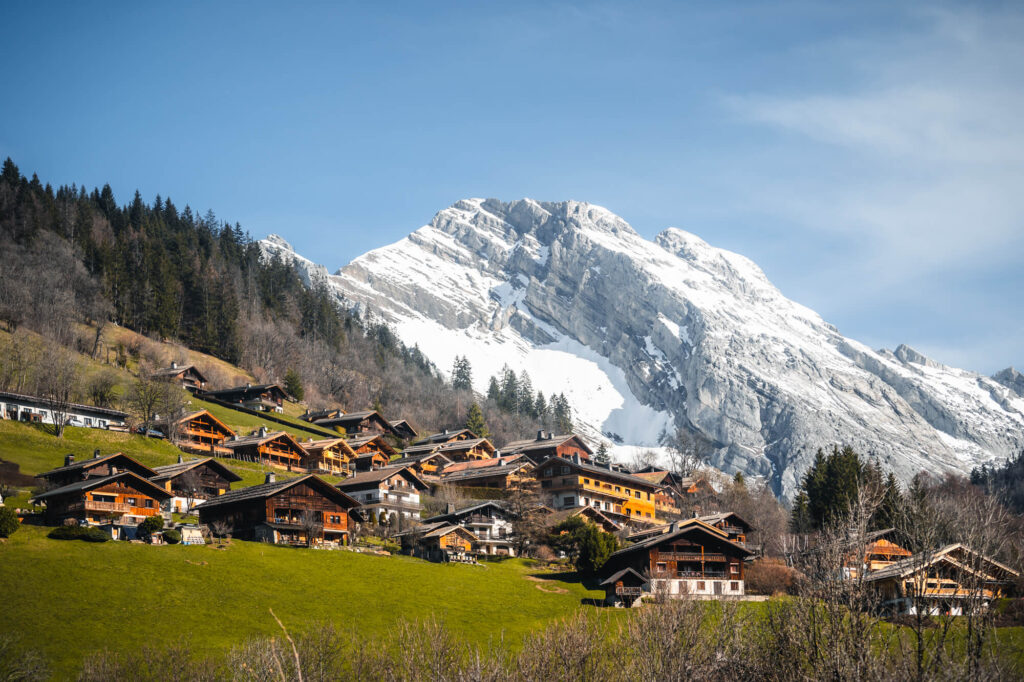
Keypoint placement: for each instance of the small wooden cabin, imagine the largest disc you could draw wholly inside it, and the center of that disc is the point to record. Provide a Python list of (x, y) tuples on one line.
[(193, 482), (202, 433), (188, 376), (123, 498), (490, 522), (371, 444), (547, 445), (403, 429), (298, 511), (95, 467), (278, 448), (624, 588), (427, 466), (440, 542), (446, 436)]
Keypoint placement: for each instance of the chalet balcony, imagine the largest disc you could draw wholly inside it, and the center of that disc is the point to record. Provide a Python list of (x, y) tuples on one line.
[(480, 519), (94, 506), (703, 574), (691, 556), (397, 506)]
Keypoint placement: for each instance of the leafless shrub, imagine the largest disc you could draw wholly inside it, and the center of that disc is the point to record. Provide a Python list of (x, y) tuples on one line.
[(19, 664), (571, 650), (770, 576), (174, 663)]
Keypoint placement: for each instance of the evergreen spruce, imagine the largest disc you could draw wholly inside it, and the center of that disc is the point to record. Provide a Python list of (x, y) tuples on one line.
[(475, 421)]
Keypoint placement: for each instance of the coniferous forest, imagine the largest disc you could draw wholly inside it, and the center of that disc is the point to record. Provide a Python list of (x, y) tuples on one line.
[(166, 271)]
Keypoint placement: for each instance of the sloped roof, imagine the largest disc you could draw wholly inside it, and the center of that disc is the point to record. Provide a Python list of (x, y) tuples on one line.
[(373, 478), (265, 490), (175, 371), (444, 436), (142, 484), (256, 439), (482, 472), (36, 400), (172, 470), (596, 470), (416, 459), (93, 461), (486, 463), (198, 413), (615, 577), (718, 517), (447, 528), (917, 562), (465, 511), (557, 517), (359, 441), (550, 441), (248, 388), (324, 443), (684, 527)]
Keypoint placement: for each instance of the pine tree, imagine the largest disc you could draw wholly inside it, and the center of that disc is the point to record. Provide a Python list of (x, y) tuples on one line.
[(800, 519), (602, 457), (509, 397), (475, 421), (562, 413), (293, 384), (738, 480), (493, 390), (524, 401), (540, 407), (462, 374)]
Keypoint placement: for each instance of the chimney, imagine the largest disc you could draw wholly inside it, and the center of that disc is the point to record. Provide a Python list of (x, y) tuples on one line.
[(550, 435), (263, 431), (497, 453), (501, 462), (96, 453), (113, 470), (540, 435), (271, 477), (449, 508), (674, 527), (180, 460), (445, 432), (248, 385), (174, 365), (69, 460)]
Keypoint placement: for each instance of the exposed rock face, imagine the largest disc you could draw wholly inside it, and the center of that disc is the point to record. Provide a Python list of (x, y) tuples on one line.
[(644, 335)]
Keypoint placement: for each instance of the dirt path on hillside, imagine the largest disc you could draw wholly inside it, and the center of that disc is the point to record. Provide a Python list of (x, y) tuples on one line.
[(543, 587)]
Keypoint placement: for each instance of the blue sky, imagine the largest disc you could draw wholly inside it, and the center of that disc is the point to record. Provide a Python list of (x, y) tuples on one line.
[(870, 157)]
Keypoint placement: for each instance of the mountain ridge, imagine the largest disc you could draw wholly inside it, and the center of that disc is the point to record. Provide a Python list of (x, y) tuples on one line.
[(645, 335)]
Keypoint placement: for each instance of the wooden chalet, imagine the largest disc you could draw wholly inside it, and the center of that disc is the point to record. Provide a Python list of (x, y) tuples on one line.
[(942, 581), (489, 521), (505, 473), (566, 483), (458, 450), (259, 397), (373, 451), (690, 493), (403, 429), (312, 415), (547, 445), (192, 482), (447, 436), (439, 542), (391, 495), (278, 448), (119, 499), (427, 466), (188, 376), (625, 587), (690, 558), (95, 467), (298, 511), (362, 423), (589, 514), (201, 433), (333, 456)]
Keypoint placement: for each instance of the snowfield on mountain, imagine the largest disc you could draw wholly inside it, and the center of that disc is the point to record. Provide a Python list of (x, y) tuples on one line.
[(645, 335)]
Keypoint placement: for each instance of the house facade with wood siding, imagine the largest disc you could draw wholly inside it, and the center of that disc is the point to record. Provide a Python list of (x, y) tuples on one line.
[(192, 482), (277, 448), (297, 511), (566, 483), (123, 498), (201, 433), (96, 466), (392, 494), (547, 445), (331, 456)]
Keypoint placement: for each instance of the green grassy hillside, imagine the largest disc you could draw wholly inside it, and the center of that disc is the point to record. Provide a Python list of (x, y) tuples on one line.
[(69, 598)]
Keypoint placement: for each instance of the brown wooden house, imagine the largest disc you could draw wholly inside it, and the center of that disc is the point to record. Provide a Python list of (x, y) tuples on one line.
[(373, 451), (391, 494), (278, 448), (403, 429), (259, 397), (332, 456), (367, 422), (95, 467), (188, 376), (200, 433), (447, 436), (691, 558), (439, 542), (299, 511), (427, 466), (123, 498), (625, 588), (193, 482), (547, 445), (312, 415)]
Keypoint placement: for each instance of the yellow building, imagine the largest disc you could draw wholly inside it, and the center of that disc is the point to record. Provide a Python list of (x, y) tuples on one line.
[(568, 483)]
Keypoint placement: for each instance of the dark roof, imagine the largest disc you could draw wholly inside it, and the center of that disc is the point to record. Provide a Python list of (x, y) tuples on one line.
[(175, 371), (444, 436), (256, 439), (557, 517), (447, 516), (718, 517), (549, 441), (399, 423), (88, 484), (172, 470), (596, 470), (614, 577), (372, 479), (265, 490), (21, 397), (93, 461), (920, 561), (416, 459), (353, 417), (446, 528), (684, 527), (483, 472)]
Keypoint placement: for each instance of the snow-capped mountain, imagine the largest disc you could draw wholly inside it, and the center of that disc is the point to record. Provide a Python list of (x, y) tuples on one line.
[(644, 335)]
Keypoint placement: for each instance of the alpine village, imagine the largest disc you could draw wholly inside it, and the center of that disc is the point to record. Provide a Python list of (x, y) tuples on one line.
[(211, 470)]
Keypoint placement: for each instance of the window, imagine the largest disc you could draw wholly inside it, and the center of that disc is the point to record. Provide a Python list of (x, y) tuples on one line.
[(660, 567), (564, 470), (132, 501), (618, 489), (568, 501), (648, 514), (733, 568), (637, 493), (147, 503), (700, 585), (734, 586), (547, 472), (545, 484), (586, 481)]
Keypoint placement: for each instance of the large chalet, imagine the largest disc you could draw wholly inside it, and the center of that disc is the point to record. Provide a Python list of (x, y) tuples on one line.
[(258, 397), (333, 456), (489, 521), (278, 448), (96, 466), (547, 444), (199, 433), (299, 511), (391, 495), (688, 558), (566, 483), (367, 422), (457, 449), (117, 500), (509, 472)]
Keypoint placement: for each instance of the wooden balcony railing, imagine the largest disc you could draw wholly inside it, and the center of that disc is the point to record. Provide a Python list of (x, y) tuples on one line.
[(94, 505)]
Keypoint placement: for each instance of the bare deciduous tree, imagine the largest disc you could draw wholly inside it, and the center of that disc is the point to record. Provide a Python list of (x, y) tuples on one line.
[(57, 381)]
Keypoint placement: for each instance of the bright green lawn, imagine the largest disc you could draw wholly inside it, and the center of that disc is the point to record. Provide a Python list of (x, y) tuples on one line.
[(69, 598), (243, 422)]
